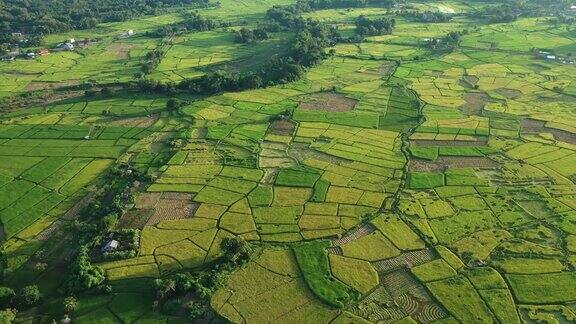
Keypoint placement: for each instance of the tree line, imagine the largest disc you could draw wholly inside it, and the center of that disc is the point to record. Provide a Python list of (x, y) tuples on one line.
[(192, 22), (42, 17), (426, 16), (374, 27), (509, 10)]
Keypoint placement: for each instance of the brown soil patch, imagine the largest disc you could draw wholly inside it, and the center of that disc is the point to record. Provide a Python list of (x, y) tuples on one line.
[(154, 207), (509, 93), (475, 102), (302, 151), (135, 122), (43, 85), (173, 206), (467, 162), (147, 200), (425, 166), (447, 162), (135, 218), (122, 50), (533, 126), (171, 209), (282, 127), (480, 141), (469, 81), (327, 101)]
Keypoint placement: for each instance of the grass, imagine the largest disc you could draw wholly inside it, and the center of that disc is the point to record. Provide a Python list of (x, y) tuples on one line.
[(543, 288), (460, 298), (425, 180), (357, 274), (433, 271), (315, 267), (398, 233), (529, 265), (372, 247)]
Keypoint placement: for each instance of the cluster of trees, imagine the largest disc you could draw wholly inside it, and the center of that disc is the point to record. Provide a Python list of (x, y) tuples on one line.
[(151, 60), (374, 27), (201, 285), (510, 10), (447, 43), (98, 220), (191, 22), (11, 302), (260, 33), (41, 17), (427, 16), (328, 4), (84, 275), (562, 19), (130, 241)]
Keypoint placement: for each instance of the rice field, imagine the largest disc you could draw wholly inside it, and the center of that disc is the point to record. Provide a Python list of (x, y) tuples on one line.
[(389, 184)]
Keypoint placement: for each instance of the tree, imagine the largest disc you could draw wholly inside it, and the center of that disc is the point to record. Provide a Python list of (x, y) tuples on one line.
[(164, 287), (70, 304), (236, 250), (6, 296), (29, 296), (195, 310), (8, 315), (173, 104), (84, 275)]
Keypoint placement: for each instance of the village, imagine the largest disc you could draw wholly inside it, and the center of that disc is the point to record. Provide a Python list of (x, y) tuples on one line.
[(549, 56), (68, 45)]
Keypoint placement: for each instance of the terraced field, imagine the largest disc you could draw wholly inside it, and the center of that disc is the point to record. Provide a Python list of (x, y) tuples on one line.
[(391, 182)]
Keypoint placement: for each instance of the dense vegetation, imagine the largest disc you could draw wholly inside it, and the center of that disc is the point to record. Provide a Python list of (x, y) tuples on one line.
[(191, 22), (374, 27), (40, 17), (428, 16), (260, 33)]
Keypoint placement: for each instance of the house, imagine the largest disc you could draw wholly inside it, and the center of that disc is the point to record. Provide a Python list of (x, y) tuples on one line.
[(573, 7), (10, 56), (110, 246), (127, 33), (31, 55), (71, 41), (550, 57), (43, 51), (66, 46)]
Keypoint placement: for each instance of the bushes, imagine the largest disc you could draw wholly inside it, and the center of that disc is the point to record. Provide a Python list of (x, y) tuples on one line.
[(428, 16), (7, 296), (84, 275), (29, 296), (192, 22), (260, 33), (374, 27), (7, 315)]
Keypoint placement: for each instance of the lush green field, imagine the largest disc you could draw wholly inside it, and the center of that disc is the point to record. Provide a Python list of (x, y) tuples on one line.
[(392, 182)]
